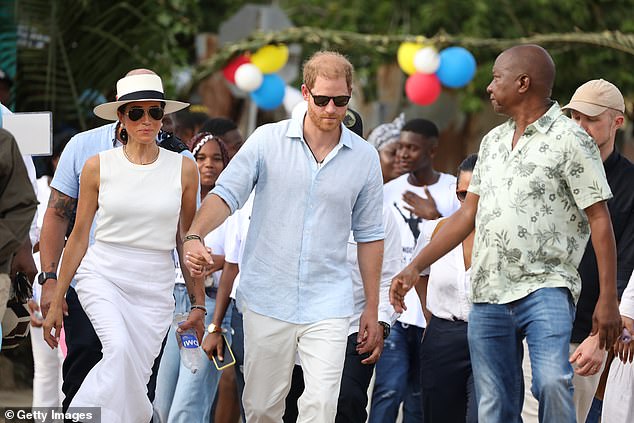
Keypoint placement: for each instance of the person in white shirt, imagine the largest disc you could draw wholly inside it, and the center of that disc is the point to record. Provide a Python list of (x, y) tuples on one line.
[(446, 377), (618, 400), (419, 195)]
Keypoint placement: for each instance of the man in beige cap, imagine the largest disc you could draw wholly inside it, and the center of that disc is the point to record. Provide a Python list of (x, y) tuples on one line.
[(597, 106)]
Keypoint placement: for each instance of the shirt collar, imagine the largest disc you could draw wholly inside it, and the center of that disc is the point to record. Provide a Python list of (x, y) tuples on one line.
[(296, 130), (544, 122)]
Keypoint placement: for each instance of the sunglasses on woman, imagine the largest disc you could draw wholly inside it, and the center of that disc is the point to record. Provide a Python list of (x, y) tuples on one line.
[(461, 195), (155, 112), (323, 100)]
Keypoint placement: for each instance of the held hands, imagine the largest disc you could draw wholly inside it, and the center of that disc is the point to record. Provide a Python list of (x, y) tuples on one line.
[(606, 320), (624, 349), (401, 284), (424, 208), (197, 258), (588, 357)]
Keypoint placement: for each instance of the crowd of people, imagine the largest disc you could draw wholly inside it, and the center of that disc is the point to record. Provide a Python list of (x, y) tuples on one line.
[(300, 246)]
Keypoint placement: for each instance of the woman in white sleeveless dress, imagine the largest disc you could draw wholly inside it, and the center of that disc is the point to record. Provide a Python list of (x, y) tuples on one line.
[(139, 193)]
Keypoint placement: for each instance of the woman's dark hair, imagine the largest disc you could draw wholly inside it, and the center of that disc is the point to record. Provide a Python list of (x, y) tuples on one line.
[(205, 137), (218, 126), (468, 164)]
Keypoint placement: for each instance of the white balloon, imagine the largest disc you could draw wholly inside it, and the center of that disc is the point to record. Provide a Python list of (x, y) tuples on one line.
[(248, 77), (427, 60)]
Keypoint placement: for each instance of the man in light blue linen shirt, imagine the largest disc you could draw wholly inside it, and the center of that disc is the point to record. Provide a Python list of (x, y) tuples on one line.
[(314, 181)]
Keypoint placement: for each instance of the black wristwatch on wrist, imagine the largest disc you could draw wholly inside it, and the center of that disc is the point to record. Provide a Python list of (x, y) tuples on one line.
[(44, 276), (386, 329)]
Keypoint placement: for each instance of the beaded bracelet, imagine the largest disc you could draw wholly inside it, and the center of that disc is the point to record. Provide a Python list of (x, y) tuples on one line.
[(198, 307), (191, 237)]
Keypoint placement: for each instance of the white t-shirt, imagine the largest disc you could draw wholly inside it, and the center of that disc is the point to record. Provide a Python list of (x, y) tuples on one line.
[(392, 260), (449, 282), (235, 237), (444, 194)]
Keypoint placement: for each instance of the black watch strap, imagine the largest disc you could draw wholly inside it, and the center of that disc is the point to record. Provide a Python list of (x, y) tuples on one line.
[(386, 329), (44, 276)]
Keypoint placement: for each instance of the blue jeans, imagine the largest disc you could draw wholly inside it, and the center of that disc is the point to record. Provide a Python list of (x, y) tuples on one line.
[(180, 395), (496, 332), (237, 345), (397, 377)]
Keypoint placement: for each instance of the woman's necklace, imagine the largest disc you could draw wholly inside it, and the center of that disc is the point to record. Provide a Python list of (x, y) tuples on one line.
[(125, 153)]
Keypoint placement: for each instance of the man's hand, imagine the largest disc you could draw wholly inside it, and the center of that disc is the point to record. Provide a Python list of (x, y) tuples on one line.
[(369, 333), (36, 315), (23, 261), (53, 321), (625, 350), (196, 321), (606, 320), (197, 257), (422, 207), (401, 284), (213, 345), (48, 292), (376, 352), (588, 357)]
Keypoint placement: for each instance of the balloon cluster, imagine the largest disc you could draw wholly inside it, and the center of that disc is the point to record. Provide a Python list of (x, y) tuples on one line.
[(256, 75), (453, 67)]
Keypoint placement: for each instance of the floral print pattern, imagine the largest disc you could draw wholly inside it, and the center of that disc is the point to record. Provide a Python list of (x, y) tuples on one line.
[(531, 230)]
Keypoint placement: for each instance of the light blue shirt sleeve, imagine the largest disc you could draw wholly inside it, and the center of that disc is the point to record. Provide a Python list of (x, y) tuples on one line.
[(238, 179), (367, 220), (66, 178)]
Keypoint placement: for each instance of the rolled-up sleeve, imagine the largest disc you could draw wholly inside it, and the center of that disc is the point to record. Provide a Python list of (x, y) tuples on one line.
[(367, 220), (238, 179)]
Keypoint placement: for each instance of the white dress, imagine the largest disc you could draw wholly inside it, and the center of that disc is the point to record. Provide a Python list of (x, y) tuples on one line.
[(125, 281), (618, 400)]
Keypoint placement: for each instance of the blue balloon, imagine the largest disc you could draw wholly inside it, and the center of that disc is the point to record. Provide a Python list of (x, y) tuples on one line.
[(457, 67), (271, 93)]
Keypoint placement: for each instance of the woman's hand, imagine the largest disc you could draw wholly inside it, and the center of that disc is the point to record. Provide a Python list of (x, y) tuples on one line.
[(54, 321), (623, 349)]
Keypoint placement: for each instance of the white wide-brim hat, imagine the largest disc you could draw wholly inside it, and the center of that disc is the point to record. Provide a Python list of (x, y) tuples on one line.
[(140, 87)]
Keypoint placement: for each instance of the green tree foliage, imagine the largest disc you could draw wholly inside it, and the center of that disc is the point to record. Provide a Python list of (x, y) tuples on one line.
[(576, 63), (70, 51)]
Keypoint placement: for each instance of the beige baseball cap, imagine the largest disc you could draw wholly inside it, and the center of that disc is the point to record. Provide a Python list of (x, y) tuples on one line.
[(596, 96)]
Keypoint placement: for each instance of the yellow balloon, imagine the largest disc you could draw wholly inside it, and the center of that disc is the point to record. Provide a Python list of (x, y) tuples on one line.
[(405, 56), (270, 58)]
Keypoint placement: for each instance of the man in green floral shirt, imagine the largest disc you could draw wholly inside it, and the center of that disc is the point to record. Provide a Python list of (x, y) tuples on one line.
[(538, 191)]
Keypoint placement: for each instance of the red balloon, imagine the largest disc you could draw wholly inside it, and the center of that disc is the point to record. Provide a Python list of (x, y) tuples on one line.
[(229, 71), (422, 89)]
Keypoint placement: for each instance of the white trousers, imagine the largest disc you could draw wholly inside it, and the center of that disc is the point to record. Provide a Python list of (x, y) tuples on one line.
[(618, 400), (127, 295), (584, 390), (270, 346)]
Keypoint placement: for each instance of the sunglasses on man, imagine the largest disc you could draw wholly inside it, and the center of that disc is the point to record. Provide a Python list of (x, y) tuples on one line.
[(155, 112), (323, 100)]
